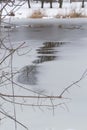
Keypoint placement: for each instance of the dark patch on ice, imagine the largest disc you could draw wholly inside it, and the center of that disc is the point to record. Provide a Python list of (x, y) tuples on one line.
[(28, 75)]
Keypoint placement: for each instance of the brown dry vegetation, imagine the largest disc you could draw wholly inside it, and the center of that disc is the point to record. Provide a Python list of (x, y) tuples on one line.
[(37, 14), (72, 14)]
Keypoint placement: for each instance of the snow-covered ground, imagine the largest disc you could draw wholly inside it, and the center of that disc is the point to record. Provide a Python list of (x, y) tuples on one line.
[(25, 12)]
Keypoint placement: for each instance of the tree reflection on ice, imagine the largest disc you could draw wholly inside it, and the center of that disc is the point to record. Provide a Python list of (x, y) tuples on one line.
[(48, 52), (28, 75)]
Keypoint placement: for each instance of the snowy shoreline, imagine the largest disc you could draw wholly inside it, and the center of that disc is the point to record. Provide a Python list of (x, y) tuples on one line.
[(66, 11), (42, 22)]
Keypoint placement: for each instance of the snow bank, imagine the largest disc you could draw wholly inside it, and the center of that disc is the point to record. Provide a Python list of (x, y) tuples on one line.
[(25, 12)]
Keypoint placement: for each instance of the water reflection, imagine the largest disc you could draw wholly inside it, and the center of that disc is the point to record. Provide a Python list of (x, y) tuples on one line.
[(28, 75), (42, 59), (48, 52)]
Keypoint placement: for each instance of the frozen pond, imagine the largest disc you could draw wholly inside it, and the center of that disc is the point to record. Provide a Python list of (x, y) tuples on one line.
[(58, 57)]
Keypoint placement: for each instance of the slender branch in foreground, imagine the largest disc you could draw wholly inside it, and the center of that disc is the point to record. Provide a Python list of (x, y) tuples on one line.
[(11, 52), (10, 117), (31, 104), (12, 85), (27, 96), (74, 83)]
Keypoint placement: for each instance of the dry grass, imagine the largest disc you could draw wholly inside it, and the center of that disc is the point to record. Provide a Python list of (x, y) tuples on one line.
[(75, 14), (37, 14), (72, 14)]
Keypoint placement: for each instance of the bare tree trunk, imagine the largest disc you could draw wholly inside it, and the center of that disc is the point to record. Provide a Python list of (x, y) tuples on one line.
[(50, 3), (42, 3), (60, 3), (82, 3), (29, 4)]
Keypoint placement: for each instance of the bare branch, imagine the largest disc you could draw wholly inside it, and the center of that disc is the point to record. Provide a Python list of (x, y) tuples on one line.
[(74, 83), (10, 117)]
